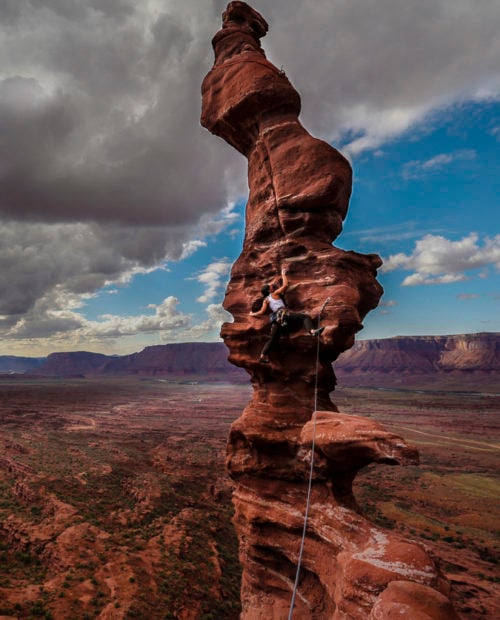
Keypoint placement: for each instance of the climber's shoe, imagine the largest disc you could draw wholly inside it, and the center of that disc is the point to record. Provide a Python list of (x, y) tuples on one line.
[(317, 332), (263, 359)]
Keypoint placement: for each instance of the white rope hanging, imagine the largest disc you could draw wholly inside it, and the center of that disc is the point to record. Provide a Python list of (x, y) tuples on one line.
[(311, 471)]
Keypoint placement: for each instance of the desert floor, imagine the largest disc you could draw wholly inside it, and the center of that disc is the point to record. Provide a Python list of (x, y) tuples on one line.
[(114, 501)]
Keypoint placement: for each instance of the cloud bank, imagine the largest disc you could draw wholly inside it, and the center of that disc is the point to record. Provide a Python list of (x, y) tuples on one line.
[(437, 260)]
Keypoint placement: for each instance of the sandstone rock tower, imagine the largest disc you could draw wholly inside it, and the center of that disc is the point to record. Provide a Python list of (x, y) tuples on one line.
[(299, 189)]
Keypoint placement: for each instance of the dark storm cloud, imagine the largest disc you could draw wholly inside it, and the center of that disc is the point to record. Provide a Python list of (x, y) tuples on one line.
[(99, 101), (102, 121), (377, 66), (47, 262), (55, 254), (104, 168)]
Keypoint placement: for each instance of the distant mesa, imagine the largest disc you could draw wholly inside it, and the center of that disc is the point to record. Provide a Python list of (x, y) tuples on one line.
[(11, 364), (424, 354), (368, 361)]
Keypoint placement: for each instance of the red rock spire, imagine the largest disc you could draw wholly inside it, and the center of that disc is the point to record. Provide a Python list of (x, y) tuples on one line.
[(299, 189)]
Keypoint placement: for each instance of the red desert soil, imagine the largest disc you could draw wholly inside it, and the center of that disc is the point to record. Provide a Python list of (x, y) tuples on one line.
[(114, 501)]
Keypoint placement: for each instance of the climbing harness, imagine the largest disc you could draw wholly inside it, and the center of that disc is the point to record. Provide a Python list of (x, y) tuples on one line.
[(280, 317), (311, 471)]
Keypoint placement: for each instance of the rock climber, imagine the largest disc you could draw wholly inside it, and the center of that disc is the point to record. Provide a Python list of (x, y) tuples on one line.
[(281, 318)]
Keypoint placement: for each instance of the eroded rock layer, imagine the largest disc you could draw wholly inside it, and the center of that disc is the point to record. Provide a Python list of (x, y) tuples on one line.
[(299, 189)]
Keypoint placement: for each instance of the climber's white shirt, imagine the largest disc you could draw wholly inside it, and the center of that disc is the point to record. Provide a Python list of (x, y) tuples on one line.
[(275, 304)]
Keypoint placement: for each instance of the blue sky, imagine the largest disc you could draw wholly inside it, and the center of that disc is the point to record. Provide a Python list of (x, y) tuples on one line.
[(438, 182), (120, 216), (436, 185)]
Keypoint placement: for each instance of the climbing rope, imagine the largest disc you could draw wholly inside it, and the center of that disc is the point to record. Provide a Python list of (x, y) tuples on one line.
[(311, 471)]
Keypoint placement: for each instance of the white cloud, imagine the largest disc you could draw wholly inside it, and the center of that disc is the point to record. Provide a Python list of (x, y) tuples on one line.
[(212, 225), (214, 278), (166, 319), (437, 260), (210, 328), (467, 296), (418, 278), (415, 169), (377, 126), (389, 303), (190, 247), (385, 305), (392, 232)]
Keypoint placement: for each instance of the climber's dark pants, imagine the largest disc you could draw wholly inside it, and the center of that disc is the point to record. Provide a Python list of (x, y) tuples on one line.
[(294, 320)]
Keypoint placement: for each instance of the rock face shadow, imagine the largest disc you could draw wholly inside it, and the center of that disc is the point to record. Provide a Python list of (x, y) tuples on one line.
[(299, 190)]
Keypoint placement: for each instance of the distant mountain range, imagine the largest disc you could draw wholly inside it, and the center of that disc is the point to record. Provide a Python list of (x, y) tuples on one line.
[(466, 354), (11, 364), (192, 358)]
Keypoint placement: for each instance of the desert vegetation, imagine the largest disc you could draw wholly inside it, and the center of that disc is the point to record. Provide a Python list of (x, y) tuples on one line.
[(450, 502), (114, 501)]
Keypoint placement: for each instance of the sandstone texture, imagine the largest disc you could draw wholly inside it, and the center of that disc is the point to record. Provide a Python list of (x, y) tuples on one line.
[(299, 189)]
